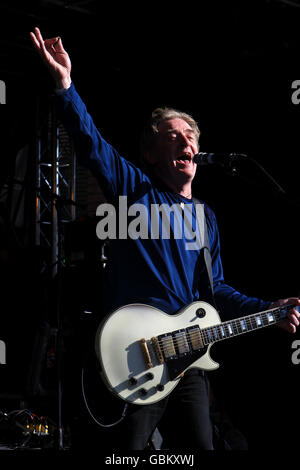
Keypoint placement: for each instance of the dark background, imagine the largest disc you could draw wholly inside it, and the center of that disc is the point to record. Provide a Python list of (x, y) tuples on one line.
[(231, 65)]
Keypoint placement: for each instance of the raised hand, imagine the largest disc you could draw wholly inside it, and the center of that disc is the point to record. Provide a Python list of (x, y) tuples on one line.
[(55, 57)]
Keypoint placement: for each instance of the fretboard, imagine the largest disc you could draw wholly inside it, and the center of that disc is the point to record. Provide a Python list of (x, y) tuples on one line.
[(245, 324)]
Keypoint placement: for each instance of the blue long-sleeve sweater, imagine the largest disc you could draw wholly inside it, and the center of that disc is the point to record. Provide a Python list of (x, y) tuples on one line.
[(156, 271)]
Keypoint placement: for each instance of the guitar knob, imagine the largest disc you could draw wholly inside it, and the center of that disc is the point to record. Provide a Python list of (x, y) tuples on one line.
[(150, 376), (133, 381), (142, 391), (160, 387), (200, 312)]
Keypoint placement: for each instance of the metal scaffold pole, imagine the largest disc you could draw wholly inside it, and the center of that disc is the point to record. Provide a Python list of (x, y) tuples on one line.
[(56, 180), (55, 207)]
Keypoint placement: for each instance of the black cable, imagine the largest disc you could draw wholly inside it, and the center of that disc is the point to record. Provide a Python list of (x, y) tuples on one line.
[(102, 425)]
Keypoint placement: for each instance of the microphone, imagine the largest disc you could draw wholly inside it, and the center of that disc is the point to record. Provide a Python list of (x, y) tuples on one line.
[(223, 159)]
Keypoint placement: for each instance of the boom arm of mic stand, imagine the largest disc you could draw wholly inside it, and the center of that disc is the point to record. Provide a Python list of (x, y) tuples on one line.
[(280, 191), (279, 188)]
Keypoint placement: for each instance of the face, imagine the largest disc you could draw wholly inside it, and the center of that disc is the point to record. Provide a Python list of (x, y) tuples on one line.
[(173, 153)]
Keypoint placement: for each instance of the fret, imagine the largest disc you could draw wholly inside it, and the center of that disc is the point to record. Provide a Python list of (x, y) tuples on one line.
[(234, 327), (226, 331), (223, 334), (220, 331), (229, 327), (215, 332), (264, 318), (210, 335), (280, 314), (238, 326), (258, 320), (243, 325), (270, 317), (252, 321)]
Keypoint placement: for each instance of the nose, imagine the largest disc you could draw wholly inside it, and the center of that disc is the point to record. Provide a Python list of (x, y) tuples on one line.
[(183, 139)]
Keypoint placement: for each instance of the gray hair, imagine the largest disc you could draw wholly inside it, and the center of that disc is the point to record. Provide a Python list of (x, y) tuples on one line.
[(150, 131)]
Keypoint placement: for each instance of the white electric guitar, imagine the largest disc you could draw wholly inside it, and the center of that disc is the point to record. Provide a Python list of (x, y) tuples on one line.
[(144, 352)]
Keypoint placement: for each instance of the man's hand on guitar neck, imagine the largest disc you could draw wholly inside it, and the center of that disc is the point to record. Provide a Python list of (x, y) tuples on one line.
[(292, 321)]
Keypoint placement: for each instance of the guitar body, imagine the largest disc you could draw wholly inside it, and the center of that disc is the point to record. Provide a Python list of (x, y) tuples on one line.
[(130, 359), (143, 352)]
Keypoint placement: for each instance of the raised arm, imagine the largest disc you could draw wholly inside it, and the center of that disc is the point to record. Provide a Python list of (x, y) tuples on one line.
[(55, 58), (115, 174)]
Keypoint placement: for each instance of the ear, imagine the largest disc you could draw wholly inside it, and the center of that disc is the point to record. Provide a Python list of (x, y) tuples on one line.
[(150, 157)]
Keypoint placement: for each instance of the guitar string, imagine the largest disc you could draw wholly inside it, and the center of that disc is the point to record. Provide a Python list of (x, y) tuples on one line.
[(218, 333), (206, 335), (210, 334)]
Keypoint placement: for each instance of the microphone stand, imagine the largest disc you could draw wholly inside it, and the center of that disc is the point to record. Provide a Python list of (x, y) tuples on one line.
[(231, 169)]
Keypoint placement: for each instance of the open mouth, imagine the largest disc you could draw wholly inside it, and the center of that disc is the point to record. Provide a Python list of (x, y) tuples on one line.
[(184, 159)]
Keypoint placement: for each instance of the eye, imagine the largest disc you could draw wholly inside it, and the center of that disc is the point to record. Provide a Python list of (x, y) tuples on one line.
[(172, 135), (191, 137)]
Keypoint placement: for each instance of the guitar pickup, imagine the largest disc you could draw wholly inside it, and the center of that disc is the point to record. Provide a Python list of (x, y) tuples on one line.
[(195, 337), (167, 346), (181, 342)]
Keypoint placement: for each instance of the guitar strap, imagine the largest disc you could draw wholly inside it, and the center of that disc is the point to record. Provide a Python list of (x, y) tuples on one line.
[(204, 239)]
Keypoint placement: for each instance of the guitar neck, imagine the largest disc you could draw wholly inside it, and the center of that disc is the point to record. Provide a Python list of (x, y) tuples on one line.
[(245, 324)]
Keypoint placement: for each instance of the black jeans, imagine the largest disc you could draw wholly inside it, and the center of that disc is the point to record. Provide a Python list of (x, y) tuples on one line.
[(183, 418)]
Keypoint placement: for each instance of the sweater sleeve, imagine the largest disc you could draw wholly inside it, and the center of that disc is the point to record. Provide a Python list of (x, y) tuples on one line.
[(230, 302)]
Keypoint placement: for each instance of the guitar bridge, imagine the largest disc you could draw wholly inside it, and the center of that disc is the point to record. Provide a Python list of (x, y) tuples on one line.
[(146, 353)]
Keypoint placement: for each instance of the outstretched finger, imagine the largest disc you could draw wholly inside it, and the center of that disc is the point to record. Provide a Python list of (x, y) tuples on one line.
[(35, 41), (40, 40)]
